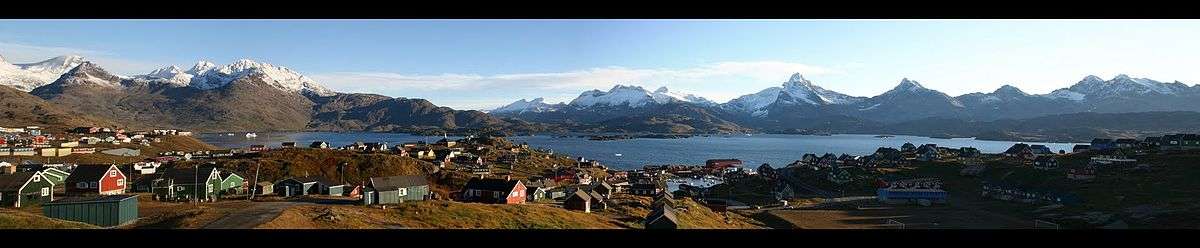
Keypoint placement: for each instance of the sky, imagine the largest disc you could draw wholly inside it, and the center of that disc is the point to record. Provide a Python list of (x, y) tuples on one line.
[(484, 64)]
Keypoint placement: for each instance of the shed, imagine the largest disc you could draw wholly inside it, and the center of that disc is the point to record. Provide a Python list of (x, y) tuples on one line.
[(662, 217), (396, 189), (100, 210), (579, 200), (264, 188)]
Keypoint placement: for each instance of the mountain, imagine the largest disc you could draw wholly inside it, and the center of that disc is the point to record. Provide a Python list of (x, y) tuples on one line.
[(633, 96), (370, 112), (796, 91), (26, 77), (206, 75), (242, 96), (1127, 94), (909, 100), (1009, 102), (537, 105), (22, 109)]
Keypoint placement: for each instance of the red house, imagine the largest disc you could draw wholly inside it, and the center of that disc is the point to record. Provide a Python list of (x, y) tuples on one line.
[(96, 179), (494, 190)]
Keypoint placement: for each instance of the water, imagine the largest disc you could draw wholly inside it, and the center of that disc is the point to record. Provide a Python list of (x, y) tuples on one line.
[(775, 149)]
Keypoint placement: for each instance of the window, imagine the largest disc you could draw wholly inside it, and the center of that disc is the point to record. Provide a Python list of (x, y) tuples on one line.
[(496, 194), (45, 191), (81, 185), (120, 182), (37, 178), (403, 191), (93, 185), (112, 174), (209, 187)]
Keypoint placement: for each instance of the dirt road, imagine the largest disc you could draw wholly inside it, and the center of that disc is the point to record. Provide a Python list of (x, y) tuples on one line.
[(253, 216)]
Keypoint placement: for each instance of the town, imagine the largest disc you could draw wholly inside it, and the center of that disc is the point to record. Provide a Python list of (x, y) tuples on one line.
[(114, 178)]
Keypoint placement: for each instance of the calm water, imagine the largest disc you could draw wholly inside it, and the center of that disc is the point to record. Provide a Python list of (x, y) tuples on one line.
[(775, 149)]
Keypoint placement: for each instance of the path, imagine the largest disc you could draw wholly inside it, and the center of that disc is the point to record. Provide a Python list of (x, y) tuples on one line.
[(253, 216)]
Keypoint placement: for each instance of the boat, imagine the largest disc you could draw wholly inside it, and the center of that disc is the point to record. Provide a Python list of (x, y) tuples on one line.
[(618, 154), (884, 136), (251, 135)]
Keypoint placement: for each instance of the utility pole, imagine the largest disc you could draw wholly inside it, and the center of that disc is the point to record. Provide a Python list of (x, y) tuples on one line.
[(254, 188), (196, 186)]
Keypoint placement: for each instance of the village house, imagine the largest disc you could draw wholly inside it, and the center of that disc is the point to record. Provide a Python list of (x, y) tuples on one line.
[(494, 190), (96, 179), (579, 200), (908, 147), (396, 189), (603, 188), (22, 189), (1087, 172), (598, 202), (535, 193), (259, 148), (319, 145), (646, 188), (1040, 150), (1045, 163), (809, 159), (288, 144), (663, 217), (928, 152), (232, 183), (264, 188), (309, 185), (1021, 151), (99, 210), (188, 184)]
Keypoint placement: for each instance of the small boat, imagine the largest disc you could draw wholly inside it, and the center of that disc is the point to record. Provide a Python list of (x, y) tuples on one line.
[(883, 136), (618, 154), (251, 135)]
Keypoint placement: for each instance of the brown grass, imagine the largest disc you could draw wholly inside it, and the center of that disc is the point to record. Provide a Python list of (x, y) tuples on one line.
[(13, 219)]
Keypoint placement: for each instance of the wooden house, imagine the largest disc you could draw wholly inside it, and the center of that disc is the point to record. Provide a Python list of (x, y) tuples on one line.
[(494, 190), (663, 217), (188, 184), (264, 188), (232, 183), (310, 185), (579, 200), (100, 210), (96, 179), (22, 189), (396, 189), (319, 145)]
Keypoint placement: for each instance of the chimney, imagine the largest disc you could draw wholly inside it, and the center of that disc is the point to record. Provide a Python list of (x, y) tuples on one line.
[(507, 177), (481, 176)]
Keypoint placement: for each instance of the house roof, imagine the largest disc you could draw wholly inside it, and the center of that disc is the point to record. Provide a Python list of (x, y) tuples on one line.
[(13, 182), (595, 195), (88, 172), (226, 174), (396, 182), (313, 179), (581, 194), (662, 212), (188, 175), (491, 184)]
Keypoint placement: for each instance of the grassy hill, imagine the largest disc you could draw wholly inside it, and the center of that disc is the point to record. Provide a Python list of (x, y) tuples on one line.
[(13, 219)]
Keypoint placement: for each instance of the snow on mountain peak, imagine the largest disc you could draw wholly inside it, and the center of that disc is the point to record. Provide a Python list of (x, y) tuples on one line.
[(201, 67), (796, 77), (28, 76), (634, 96), (537, 105), (206, 75), (1009, 90)]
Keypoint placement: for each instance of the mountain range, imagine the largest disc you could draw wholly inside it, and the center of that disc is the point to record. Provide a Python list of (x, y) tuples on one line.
[(242, 96), (799, 105), (247, 95)]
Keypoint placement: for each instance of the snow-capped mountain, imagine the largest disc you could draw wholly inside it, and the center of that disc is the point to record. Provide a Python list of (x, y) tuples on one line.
[(799, 91), (537, 105), (26, 77), (1094, 88), (633, 96), (206, 75)]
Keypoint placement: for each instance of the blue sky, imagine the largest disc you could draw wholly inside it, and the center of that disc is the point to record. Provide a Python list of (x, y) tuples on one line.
[(482, 64)]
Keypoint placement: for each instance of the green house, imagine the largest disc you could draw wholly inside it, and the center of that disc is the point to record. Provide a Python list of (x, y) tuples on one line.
[(232, 183), (100, 210), (55, 175), (182, 185), (24, 189), (395, 189)]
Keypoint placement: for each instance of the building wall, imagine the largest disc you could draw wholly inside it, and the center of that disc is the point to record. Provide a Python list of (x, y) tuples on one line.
[(99, 213)]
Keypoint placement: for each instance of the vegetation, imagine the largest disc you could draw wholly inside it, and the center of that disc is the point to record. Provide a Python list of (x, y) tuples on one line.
[(14, 219)]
